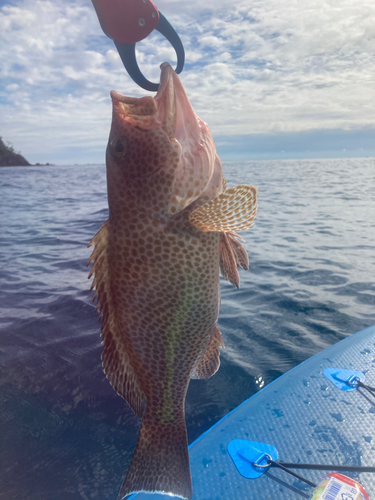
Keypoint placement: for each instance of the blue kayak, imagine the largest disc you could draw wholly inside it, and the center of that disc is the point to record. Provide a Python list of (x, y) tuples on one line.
[(305, 417)]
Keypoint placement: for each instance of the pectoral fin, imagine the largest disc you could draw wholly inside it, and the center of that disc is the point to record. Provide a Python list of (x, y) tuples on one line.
[(240, 254), (210, 362), (234, 210), (228, 263)]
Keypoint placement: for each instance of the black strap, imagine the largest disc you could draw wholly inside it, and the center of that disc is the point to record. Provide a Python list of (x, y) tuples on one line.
[(369, 389), (128, 57), (285, 466), (281, 466), (348, 468)]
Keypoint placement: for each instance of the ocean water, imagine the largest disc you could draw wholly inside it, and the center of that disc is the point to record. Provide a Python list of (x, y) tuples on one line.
[(64, 432)]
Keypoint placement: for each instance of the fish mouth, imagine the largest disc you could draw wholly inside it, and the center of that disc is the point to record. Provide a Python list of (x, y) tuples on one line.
[(139, 111), (170, 109)]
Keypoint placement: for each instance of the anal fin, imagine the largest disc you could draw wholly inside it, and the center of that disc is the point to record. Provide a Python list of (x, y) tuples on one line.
[(210, 362), (233, 210)]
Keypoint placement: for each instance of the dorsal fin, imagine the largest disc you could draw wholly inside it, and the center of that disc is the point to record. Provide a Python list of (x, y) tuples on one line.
[(116, 362), (210, 362), (232, 210)]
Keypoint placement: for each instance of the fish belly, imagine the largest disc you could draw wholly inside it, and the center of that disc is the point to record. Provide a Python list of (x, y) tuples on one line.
[(166, 288)]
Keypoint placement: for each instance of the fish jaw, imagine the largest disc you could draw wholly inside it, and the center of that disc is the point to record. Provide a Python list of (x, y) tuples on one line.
[(199, 170), (160, 154)]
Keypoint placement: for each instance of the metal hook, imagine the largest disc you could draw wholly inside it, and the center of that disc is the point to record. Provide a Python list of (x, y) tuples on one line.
[(127, 54), (269, 460)]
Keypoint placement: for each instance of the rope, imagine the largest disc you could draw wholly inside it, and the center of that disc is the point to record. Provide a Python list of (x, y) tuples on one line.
[(277, 464), (369, 389), (348, 468), (285, 466)]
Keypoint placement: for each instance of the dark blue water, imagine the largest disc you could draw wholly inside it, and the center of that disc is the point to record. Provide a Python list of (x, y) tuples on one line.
[(65, 434)]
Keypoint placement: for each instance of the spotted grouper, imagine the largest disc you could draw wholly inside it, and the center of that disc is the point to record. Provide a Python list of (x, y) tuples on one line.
[(156, 264)]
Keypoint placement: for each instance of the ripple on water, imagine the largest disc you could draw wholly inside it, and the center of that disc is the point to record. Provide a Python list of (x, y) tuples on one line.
[(308, 287)]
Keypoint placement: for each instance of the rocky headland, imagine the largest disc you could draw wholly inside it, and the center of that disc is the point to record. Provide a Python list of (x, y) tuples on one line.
[(11, 158)]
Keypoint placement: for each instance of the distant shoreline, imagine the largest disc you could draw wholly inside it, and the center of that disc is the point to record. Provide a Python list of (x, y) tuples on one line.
[(31, 165), (11, 158)]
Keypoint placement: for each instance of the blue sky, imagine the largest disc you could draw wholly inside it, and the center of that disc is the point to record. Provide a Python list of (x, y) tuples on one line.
[(272, 78)]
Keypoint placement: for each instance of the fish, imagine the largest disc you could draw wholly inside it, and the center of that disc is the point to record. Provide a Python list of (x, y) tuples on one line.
[(156, 264)]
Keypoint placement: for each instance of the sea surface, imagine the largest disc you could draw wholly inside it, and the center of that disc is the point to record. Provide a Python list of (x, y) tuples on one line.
[(64, 432)]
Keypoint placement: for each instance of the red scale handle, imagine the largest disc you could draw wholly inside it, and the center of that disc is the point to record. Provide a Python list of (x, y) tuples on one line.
[(127, 21)]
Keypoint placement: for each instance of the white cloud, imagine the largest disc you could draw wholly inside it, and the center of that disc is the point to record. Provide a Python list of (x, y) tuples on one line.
[(252, 67)]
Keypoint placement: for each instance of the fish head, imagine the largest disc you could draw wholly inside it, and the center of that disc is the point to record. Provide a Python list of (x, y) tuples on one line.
[(160, 154)]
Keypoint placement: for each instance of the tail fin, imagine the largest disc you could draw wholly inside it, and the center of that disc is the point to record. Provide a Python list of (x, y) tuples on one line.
[(160, 461)]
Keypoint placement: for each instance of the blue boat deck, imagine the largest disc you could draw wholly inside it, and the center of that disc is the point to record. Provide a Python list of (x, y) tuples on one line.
[(305, 417)]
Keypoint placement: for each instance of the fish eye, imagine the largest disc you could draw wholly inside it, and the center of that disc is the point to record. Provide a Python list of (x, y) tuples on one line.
[(119, 147)]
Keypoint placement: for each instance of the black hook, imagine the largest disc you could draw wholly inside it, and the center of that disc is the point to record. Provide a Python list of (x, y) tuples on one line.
[(127, 54)]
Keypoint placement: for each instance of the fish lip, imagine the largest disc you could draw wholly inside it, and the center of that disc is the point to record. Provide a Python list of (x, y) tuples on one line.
[(166, 76), (115, 94), (134, 109), (122, 102), (166, 99)]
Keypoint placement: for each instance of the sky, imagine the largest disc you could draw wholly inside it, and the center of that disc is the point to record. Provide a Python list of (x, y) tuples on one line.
[(272, 78)]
